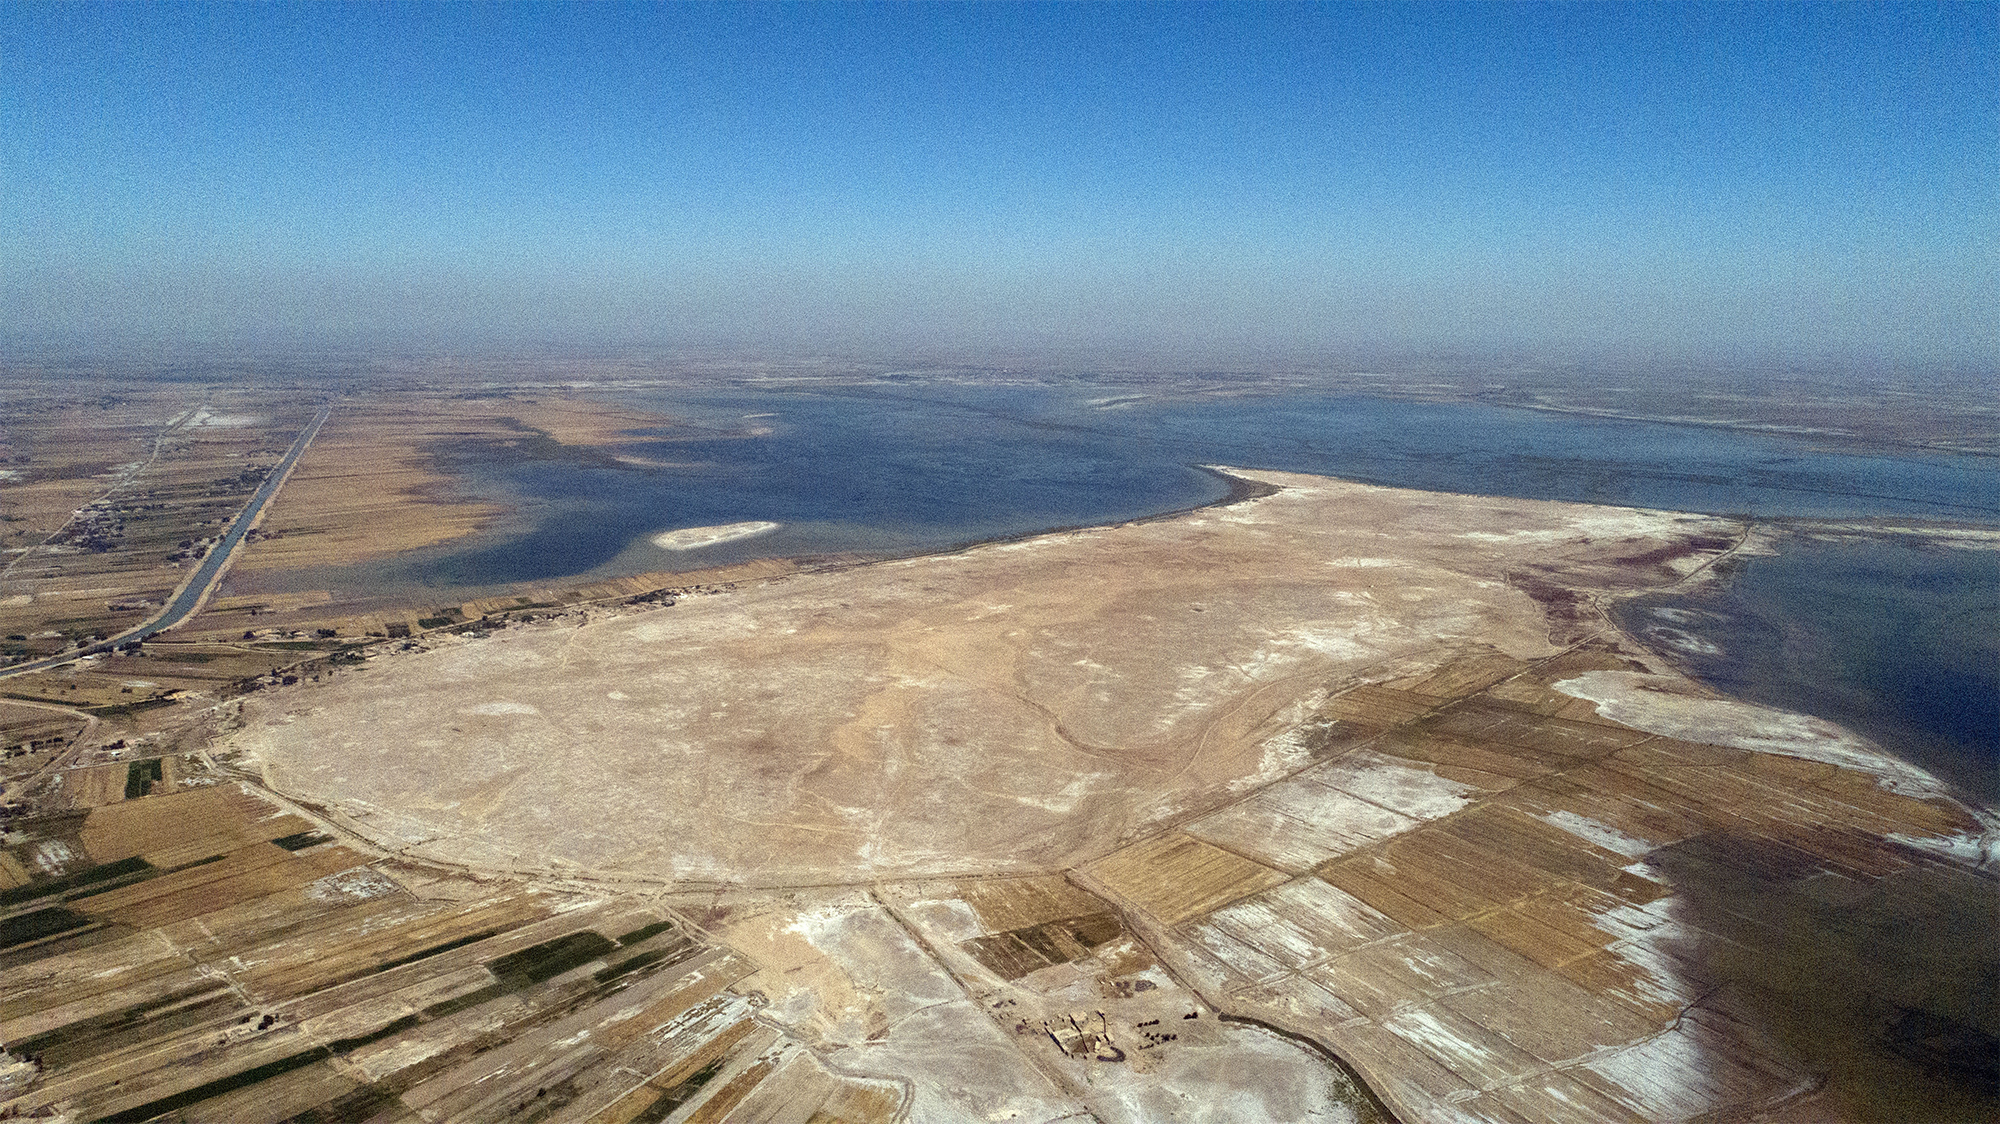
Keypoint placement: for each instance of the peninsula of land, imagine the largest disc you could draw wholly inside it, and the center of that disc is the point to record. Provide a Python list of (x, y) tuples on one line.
[(1362, 764), (1329, 802)]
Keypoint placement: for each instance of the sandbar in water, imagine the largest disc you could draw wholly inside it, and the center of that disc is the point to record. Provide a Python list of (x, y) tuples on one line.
[(694, 538)]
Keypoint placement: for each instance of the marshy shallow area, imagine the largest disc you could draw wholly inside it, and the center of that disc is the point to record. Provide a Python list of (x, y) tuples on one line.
[(1894, 635), (1889, 987)]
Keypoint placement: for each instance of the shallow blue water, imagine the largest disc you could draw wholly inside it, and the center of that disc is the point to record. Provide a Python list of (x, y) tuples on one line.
[(1501, 451), (887, 469), (1891, 636), (894, 469), (876, 475)]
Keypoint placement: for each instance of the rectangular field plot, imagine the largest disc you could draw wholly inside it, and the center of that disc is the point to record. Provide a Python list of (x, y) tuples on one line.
[(1299, 823), (1017, 903), (1378, 706), (185, 826), (1489, 765), (98, 785), (1175, 876), (1510, 946), (282, 975), (1466, 675), (1017, 952), (1483, 722)]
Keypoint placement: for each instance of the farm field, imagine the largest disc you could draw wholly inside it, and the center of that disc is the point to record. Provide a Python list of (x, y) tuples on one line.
[(1445, 907), (1521, 915), (206, 955)]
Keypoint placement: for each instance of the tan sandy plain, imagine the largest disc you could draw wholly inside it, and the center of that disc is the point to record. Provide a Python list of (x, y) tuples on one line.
[(1014, 707)]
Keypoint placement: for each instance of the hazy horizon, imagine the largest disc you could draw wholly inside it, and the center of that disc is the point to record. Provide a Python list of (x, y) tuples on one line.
[(1751, 185)]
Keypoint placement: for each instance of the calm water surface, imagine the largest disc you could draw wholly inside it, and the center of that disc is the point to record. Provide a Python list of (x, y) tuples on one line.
[(894, 469), (1891, 636)]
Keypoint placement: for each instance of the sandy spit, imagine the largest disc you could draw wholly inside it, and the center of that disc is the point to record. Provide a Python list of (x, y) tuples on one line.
[(694, 538)]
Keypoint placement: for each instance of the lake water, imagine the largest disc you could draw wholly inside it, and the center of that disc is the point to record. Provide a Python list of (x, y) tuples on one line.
[(1894, 636), (896, 468), (887, 469)]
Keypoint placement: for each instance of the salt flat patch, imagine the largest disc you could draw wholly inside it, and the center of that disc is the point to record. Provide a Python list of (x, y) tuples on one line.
[(1595, 524), (1601, 834), (1408, 791), (1978, 849), (1300, 823), (1681, 641), (1960, 538), (695, 538), (1626, 697)]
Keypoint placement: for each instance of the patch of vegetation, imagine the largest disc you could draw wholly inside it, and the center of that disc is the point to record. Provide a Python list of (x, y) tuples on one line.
[(189, 865), (640, 934), (679, 1095), (141, 776), (519, 970), (25, 927), (672, 954), (99, 1025), (437, 949), (465, 1002), (216, 1088), (365, 1103), (131, 707), (101, 873), (549, 959), (117, 1030), (343, 1045)]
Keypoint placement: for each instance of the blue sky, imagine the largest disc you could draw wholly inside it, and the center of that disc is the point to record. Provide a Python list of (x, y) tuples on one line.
[(1813, 183)]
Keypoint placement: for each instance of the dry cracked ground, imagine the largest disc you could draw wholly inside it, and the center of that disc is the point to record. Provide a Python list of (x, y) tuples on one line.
[(1335, 803)]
